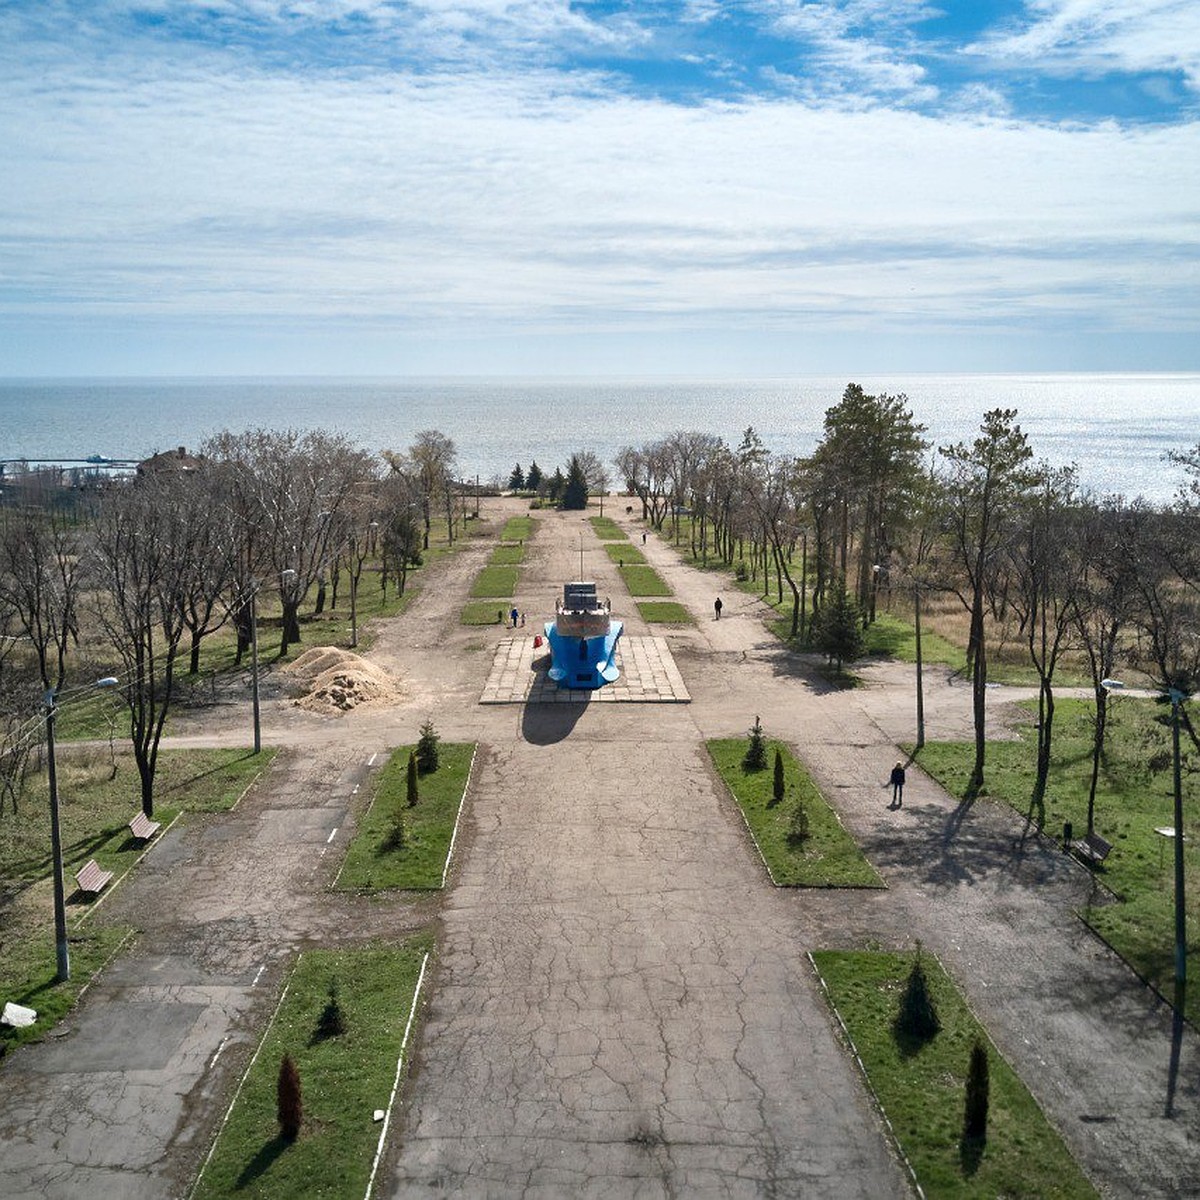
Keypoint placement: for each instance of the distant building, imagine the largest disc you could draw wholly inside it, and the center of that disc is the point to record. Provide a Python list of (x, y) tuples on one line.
[(178, 461)]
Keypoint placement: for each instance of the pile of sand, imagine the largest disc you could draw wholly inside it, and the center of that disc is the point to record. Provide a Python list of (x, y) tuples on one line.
[(338, 680)]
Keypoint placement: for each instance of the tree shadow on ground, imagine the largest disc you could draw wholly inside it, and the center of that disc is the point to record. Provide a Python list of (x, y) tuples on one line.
[(970, 1154), (262, 1161)]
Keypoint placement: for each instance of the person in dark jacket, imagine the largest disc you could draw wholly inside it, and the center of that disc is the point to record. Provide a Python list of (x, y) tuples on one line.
[(897, 782)]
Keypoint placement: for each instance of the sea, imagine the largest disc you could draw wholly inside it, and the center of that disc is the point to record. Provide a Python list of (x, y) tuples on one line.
[(1116, 428)]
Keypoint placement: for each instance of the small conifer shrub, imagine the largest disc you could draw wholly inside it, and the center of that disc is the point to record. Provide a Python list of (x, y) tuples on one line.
[(427, 749), (777, 784), (288, 1100), (410, 787), (756, 753)]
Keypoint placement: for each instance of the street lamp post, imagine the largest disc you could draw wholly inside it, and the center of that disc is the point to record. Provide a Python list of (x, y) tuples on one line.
[(1177, 698), (254, 664), (353, 592), (62, 951), (920, 680)]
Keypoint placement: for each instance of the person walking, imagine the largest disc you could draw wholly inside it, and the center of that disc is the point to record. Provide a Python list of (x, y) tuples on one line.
[(897, 782), (717, 606), (643, 537), (514, 614)]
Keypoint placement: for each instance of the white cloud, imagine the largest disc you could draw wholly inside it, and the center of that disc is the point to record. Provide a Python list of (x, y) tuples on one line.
[(1091, 36), (536, 200), (855, 47)]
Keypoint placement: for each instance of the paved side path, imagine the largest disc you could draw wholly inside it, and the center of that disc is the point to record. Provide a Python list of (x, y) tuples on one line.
[(1117, 1074), (123, 1100)]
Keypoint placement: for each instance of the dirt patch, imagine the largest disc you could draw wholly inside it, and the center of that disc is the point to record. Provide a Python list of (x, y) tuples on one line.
[(333, 680)]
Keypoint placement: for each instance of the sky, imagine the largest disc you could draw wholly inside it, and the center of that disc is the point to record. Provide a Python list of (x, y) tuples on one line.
[(546, 187)]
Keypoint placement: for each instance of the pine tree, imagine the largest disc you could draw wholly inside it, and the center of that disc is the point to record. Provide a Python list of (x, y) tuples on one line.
[(839, 632), (755, 758), (516, 481), (289, 1104), (975, 1117), (575, 492), (777, 784), (533, 477), (427, 749), (411, 782)]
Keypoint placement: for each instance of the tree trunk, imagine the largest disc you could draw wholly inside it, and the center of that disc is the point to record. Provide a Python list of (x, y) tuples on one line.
[(978, 695), (194, 655), (291, 625)]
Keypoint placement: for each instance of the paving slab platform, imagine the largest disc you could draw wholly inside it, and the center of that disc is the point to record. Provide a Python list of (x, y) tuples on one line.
[(648, 676)]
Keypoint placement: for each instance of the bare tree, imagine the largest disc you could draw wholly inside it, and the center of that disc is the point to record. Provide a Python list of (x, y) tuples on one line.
[(1102, 607), (39, 585), (1047, 573), (430, 460), (985, 486), (146, 556), (296, 490)]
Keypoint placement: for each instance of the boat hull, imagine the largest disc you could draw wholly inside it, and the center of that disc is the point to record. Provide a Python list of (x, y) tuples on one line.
[(584, 662)]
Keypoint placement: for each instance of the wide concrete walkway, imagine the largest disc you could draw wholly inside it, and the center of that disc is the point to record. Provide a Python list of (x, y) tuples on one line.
[(622, 1006)]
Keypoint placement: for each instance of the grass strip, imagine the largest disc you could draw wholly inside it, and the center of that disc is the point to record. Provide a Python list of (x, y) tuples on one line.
[(623, 554), (507, 556), (343, 1079), (98, 794), (827, 857), (665, 612), (1135, 796), (607, 530), (644, 581), (29, 973), (496, 582), (920, 1086), (375, 859), (517, 529), (482, 612)]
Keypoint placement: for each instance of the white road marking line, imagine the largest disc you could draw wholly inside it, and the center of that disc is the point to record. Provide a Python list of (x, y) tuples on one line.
[(212, 1062), (371, 760)]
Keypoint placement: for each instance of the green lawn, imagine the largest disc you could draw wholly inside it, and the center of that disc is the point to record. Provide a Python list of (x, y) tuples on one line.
[(483, 612), (507, 556), (607, 530), (373, 860), (623, 553), (665, 612), (1135, 796), (94, 806), (644, 581), (828, 857), (896, 638), (343, 1079), (495, 582), (921, 1087), (517, 529)]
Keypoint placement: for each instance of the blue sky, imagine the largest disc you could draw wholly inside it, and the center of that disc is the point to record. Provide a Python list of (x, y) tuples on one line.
[(675, 187)]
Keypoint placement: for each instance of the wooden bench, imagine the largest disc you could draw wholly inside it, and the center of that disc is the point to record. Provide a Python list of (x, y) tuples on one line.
[(143, 828), (92, 878), (1092, 849)]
